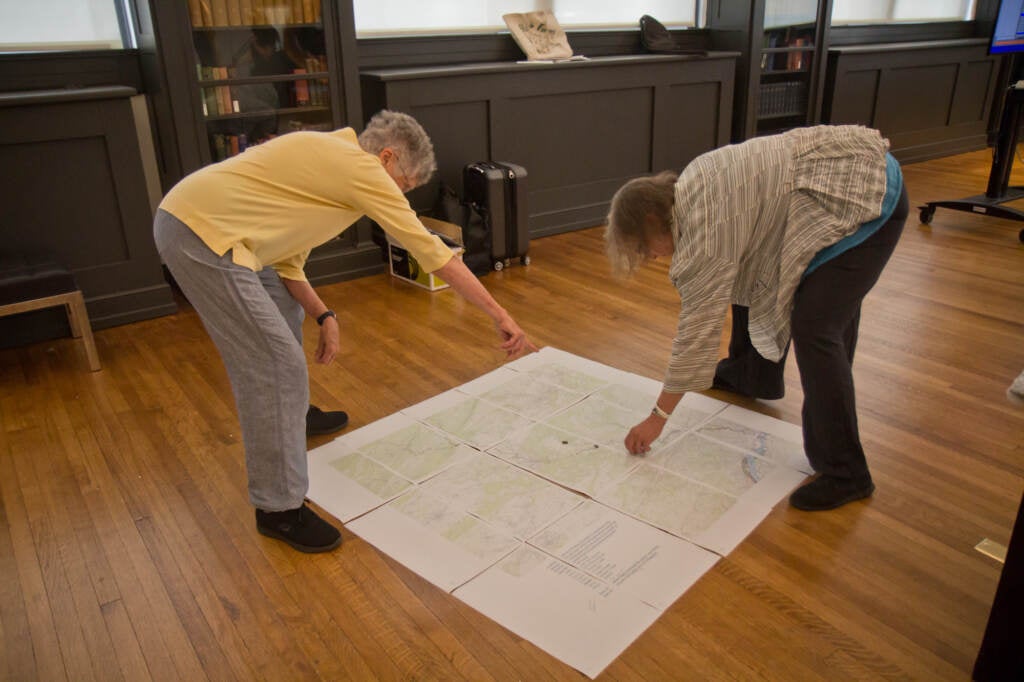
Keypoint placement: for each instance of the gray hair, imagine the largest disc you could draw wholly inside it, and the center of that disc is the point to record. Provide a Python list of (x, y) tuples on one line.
[(402, 133), (626, 235)]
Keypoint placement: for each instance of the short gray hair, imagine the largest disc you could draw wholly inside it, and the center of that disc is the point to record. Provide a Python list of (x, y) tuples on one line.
[(626, 234), (407, 137)]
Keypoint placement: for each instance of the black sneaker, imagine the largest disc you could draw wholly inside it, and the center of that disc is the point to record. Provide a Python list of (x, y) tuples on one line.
[(301, 528), (829, 492), (320, 423)]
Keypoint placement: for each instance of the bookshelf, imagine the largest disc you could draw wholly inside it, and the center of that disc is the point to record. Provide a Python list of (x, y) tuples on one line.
[(261, 69), (780, 75)]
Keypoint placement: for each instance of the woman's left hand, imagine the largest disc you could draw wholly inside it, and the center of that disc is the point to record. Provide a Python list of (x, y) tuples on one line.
[(640, 437), (330, 341)]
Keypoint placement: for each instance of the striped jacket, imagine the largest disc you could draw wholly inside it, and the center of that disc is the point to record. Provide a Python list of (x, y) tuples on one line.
[(748, 218)]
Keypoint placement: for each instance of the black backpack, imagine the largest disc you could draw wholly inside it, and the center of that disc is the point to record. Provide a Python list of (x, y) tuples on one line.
[(656, 38), (476, 235)]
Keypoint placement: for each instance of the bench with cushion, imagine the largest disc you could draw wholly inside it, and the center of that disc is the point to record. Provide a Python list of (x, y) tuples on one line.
[(31, 283)]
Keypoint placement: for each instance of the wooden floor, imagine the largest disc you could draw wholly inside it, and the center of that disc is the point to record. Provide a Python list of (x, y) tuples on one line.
[(128, 548)]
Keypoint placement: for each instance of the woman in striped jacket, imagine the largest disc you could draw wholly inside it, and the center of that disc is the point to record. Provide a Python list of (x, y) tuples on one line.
[(792, 231)]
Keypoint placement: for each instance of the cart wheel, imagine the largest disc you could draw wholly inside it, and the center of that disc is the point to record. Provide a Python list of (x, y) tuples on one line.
[(498, 265), (927, 213), (525, 260)]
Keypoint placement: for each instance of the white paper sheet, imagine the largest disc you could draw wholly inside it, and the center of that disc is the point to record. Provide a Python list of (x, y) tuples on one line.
[(576, 618), (434, 538), (627, 554)]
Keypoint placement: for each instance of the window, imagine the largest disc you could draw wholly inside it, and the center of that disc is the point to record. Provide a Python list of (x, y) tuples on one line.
[(36, 25), (889, 11), (397, 17)]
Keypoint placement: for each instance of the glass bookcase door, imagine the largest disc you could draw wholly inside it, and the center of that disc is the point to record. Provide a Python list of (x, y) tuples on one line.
[(262, 70), (787, 58)]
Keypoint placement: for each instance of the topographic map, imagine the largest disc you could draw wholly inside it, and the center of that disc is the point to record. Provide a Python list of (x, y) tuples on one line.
[(515, 493)]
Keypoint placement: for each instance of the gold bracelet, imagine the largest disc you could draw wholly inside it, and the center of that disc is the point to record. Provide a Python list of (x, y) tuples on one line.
[(660, 412)]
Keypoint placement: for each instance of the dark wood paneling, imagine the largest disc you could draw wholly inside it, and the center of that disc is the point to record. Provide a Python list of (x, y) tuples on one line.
[(534, 131), (930, 99), (973, 90), (76, 189), (22, 71), (472, 141), (855, 101), (579, 129), (874, 34), (915, 98), (682, 129)]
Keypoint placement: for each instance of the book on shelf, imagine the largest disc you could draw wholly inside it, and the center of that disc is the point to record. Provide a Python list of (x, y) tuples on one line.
[(234, 12), (206, 12), (220, 12), (227, 145), (220, 149), (795, 60), (245, 12), (252, 12), (301, 90), (195, 12), (211, 103)]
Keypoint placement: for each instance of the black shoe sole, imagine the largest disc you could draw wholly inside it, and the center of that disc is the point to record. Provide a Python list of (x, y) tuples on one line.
[(294, 545), (835, 504)]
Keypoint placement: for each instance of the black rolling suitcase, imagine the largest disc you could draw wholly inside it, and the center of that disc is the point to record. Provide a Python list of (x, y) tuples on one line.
[(498, 191)]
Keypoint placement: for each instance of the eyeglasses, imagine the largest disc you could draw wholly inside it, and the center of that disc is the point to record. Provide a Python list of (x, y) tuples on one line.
[(408, 183)]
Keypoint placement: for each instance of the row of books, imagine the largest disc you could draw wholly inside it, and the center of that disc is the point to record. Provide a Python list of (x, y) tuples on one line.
[(221, 100), (782, 99), (253, 12), (313, 64), (227, 145)]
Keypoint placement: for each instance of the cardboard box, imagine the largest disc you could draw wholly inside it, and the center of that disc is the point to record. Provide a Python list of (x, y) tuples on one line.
[(404, 266)]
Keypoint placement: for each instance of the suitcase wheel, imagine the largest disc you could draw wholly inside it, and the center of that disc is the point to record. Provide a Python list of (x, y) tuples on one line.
[(498, 265), (525, 260)]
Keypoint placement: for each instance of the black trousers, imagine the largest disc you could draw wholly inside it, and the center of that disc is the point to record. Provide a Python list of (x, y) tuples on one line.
[(825, 319)]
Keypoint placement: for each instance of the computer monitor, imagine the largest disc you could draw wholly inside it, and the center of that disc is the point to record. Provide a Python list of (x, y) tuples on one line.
[(1008, 32)]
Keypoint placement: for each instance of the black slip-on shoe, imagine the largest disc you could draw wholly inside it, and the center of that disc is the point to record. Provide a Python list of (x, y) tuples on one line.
[(320, 423), (720, 384), (301, 528), (829, 492)]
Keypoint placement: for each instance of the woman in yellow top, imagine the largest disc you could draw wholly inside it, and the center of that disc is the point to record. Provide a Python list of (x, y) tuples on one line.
[(235, 235)]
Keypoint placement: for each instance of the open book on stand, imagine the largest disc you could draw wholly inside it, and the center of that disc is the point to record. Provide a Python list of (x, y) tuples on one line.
[(540, 37)]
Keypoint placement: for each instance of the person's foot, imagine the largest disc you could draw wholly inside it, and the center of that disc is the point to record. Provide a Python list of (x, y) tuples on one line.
[(320, 423), (1015, 393), (830, 492), (720, 384), (301, 528)]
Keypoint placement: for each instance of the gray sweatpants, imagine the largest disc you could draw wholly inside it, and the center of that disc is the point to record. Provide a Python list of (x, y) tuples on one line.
[(257, 327)]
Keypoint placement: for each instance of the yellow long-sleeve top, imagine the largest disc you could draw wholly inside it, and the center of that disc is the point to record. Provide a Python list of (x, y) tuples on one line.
[(273, 203)]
